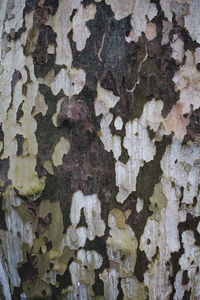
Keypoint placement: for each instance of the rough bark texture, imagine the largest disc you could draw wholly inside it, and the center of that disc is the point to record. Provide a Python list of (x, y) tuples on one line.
[(100, 149)]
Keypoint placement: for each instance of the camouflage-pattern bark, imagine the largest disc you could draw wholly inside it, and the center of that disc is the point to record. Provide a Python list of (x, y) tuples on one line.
[(99, 149)]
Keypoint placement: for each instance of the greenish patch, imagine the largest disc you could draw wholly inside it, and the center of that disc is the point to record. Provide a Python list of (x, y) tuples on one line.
[(24, 213), (24, 89), (54, 232), (158, 201), (37, 290), (31, 41), (31, 190)]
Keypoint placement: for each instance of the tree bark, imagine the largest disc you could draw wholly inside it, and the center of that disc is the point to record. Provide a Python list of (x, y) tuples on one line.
[(99, 149)]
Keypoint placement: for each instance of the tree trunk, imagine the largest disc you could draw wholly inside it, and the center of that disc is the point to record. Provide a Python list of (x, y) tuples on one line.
[(100, 149)]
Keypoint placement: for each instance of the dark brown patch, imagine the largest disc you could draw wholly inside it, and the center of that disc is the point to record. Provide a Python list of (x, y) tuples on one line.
[(20, 141), (121, 294), (64, 280), (82, 221), (193, 128), (28, 271), (20, 112), (4, 166), (15, 77), (3, 225), (1, 139), (187, 295), (141, 265), (198, 67), (185, 278), (44, 223), (44, 62)]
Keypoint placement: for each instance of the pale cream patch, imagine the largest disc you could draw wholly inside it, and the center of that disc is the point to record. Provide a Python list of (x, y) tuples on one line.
[(143, 9), (139, 145), (116, 146), (177, 46), (61, 148), (180, 164), (137, 142), (170, 217), (14, 15), (22, 169), (104, 101), (77, 80), (167, 27), (139, 205), (118, 123), (133, 289), (62, 25), (197, 55), (176, 122), (76, 237), (48, 166), (187, 80), (54, 117), (40, 105), (156, 278), (5, 282), (17, 233), (71, 81), (150, 238), (190, 261), (121, 8), (51, 49), (151, 31), (82, 272), (121, 242), (80, 30), (151, 115), (166, 7), (125, 179), (192, 20), (110, 280), (160, 238), (131, 37)]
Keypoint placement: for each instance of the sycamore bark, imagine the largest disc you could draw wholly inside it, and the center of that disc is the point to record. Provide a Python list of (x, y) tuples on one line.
[(99, 149)]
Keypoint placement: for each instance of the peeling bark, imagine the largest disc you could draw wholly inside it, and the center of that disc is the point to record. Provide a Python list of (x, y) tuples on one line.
[(99, 149)]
